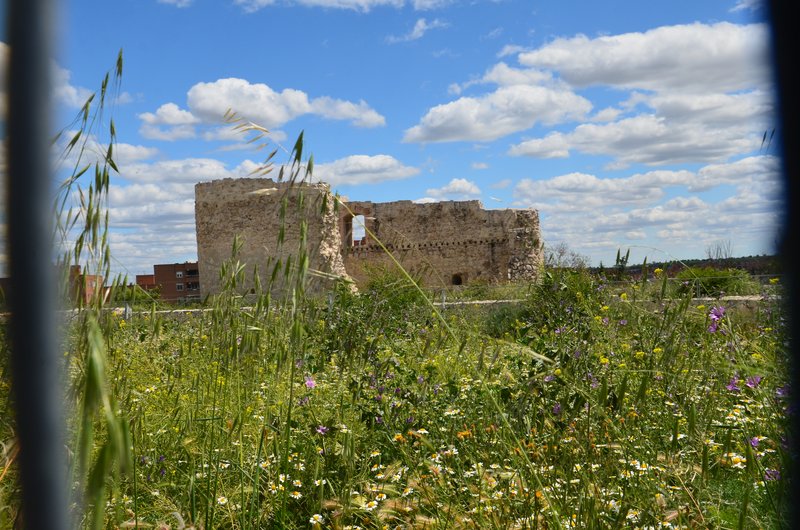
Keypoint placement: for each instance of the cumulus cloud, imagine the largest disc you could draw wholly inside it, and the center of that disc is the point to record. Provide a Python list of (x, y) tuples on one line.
[(508, 110), (363, 169), (479, 165), (648, 139), (421, 27), (456, 189), (696, 58), (598, 215), (64, 91), (207, 104)]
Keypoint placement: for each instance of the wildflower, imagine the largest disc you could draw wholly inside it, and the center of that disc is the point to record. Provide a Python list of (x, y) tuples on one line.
[(296, 495), (772, 474), (557, 409), (774, 281), (222, 500), (371, 505), (657, 271), (316, 519), (753, 381), (623, 296), (321, 429), (716, 314), (733, 386), (310, 383), (623, 322)]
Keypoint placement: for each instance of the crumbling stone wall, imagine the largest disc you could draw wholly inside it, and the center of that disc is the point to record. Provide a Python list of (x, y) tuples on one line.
[(444, 243), (251, 208)]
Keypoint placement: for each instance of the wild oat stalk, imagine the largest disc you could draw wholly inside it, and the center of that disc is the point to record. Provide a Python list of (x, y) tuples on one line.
[(101, 437)]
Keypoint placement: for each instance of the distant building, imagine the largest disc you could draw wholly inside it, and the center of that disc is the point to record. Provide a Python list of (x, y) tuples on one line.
[(146, 281), (179, 282)]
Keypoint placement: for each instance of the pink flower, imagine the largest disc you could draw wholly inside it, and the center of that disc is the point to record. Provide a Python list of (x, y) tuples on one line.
[(310, 383)]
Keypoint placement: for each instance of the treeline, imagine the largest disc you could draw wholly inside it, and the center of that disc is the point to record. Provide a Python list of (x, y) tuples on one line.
[(754, 265)]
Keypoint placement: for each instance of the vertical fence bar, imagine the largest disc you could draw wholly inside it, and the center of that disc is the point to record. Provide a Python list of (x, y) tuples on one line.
[(783, 23), (37, 383)]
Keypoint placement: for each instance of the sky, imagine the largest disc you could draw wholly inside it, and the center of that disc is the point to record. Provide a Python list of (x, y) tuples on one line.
[(626, 124)]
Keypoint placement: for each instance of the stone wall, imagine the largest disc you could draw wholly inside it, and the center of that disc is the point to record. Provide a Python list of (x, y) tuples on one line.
[(444, 243), (251, 208)]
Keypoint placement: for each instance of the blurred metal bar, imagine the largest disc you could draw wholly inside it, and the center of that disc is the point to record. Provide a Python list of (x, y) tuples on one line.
[(785, 43), (37, 385)]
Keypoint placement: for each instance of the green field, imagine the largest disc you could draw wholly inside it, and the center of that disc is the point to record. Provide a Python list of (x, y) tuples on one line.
[(578, 407)]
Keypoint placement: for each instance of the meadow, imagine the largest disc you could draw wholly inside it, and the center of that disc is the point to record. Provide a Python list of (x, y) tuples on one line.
[(579, 407)]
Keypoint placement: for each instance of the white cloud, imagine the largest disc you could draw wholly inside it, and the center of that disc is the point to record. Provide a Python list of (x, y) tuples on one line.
[(363, 169), (177, 132), (251, 6), (65, 92), (207, 104), (510, 49), (696, 58), (747, 5), (356, 5), (505, 111), (649, 139), (456, 189), (479, 165), (421, 27), (169, 114), (598, 215), (263, 105), (359, 113), (427, 5), (177, 3)]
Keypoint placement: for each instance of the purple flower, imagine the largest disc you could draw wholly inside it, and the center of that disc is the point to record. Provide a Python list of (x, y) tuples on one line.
[(310, 383), (772, 474), (303, 401), (733, 386), (379, 419), (321, 429), (420, 380), (753, 381), (549, 378), (557, 409), (782, 392), (716, 314), (754, 441), (623, 322)]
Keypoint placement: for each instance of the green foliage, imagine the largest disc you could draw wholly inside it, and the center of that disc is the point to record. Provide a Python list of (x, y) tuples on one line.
[(709, 281)]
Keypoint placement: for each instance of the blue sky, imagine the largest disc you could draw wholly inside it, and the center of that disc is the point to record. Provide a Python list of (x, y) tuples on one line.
[(627, 124)]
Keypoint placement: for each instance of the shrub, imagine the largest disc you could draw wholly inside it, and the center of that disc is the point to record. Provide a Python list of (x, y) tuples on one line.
[(708, 281)]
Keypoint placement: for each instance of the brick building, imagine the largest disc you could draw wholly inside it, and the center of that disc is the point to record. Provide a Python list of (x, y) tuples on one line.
[(179, 282)]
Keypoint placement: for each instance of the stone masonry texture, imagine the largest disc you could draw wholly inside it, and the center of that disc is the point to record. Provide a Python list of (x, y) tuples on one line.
[(441, 244)]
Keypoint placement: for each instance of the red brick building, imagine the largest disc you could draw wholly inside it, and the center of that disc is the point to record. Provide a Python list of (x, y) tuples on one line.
[(179, 282)]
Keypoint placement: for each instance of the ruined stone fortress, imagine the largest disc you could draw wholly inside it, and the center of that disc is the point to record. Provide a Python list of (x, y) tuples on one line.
[(441, 244)]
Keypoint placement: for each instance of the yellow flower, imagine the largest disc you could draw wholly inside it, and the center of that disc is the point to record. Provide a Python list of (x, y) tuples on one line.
[(603, 360), (604, 308), (658, 271), (657, 350), (773, 281), (639, 355), (623, 296)]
